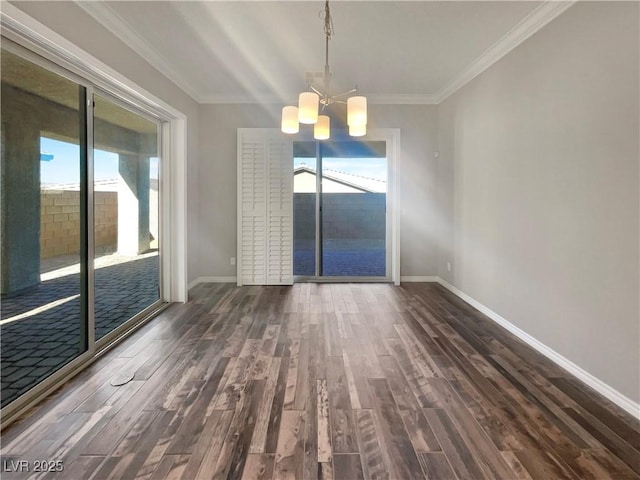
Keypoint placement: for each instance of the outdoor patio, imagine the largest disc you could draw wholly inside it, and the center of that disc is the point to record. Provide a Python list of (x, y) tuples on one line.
[(41, 328), (341, 258)]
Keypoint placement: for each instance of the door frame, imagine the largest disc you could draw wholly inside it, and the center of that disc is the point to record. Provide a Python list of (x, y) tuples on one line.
[(391, 137)]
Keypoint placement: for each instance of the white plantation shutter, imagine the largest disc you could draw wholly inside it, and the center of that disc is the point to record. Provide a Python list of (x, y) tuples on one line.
[(279, 210), (265, 207), (252, 204)]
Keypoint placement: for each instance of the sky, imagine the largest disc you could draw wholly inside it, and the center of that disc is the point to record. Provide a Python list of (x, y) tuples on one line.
[(65, 166)]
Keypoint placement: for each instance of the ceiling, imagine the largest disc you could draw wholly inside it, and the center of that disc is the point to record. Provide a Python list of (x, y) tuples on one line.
[(259, 51), (31, 78)]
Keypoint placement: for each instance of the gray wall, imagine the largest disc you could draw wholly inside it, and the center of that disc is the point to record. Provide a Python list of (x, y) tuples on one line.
[(534, 199), (539, 172), (419, 217), (70, 21), (218, 136)]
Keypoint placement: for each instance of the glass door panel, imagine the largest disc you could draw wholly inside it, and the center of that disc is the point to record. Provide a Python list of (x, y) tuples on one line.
[(126, 203), (304, 208), (354, 197), (43, 321), (340, 220)]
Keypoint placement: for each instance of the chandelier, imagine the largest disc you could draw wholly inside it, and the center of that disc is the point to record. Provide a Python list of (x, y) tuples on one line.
[(316, 100)]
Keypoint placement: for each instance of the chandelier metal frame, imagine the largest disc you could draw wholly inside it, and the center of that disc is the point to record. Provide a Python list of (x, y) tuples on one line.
[(325, 98), (318, 98)]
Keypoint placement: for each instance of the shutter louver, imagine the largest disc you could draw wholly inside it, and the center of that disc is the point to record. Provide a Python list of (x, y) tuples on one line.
[(265, 208)]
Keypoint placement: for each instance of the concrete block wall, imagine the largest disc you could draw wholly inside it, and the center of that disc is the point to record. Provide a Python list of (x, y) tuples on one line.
[(345, 216), (60, 221), (106, 219)]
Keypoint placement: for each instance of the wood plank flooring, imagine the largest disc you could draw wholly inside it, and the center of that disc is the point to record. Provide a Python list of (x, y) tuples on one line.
[(325, 381)]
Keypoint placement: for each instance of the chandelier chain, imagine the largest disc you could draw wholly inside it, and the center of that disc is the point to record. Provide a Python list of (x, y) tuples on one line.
[(328, 21), (328, 32)]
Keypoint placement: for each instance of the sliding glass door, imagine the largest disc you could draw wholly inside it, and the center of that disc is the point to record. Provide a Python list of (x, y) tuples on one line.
[(79, 218), (43, 321), (126, 233), (304, 210), (340, 216)]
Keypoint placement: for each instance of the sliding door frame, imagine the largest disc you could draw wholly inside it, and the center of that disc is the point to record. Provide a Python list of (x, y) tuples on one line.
[(68, 59), (117, 332), (38, 44), (391, 137), (21, 403)]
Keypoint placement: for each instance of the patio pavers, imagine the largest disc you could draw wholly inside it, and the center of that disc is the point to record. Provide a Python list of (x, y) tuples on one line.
[(33, 347), (342, 258)]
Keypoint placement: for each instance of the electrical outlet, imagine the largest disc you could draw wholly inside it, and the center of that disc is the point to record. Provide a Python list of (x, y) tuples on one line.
[(232, 260), (448, 266)]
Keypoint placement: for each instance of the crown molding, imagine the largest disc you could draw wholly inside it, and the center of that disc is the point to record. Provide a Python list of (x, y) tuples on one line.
[(264, 99), (372, 99), (402, 99), (117, 25), (529, 25)]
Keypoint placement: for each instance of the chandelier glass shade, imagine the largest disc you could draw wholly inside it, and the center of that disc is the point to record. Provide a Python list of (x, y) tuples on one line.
[(312, 103), (357, 111), (290, 120), (357, 130), (308, 107), (322, 129)]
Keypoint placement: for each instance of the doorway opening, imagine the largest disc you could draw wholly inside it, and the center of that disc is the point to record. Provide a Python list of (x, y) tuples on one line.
[(340, 205)]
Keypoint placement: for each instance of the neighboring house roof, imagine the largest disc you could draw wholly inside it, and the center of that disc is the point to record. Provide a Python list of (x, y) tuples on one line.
[(99, 186), (357, 182)]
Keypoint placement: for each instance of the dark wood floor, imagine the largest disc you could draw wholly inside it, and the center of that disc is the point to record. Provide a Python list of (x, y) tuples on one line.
[(326, 381)]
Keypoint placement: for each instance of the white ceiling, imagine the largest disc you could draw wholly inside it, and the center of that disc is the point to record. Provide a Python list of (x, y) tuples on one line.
[(245, 51)]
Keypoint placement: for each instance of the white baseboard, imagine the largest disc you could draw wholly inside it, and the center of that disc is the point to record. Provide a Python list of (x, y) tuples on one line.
[(210, 280), (598, 385), (411, 279)]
